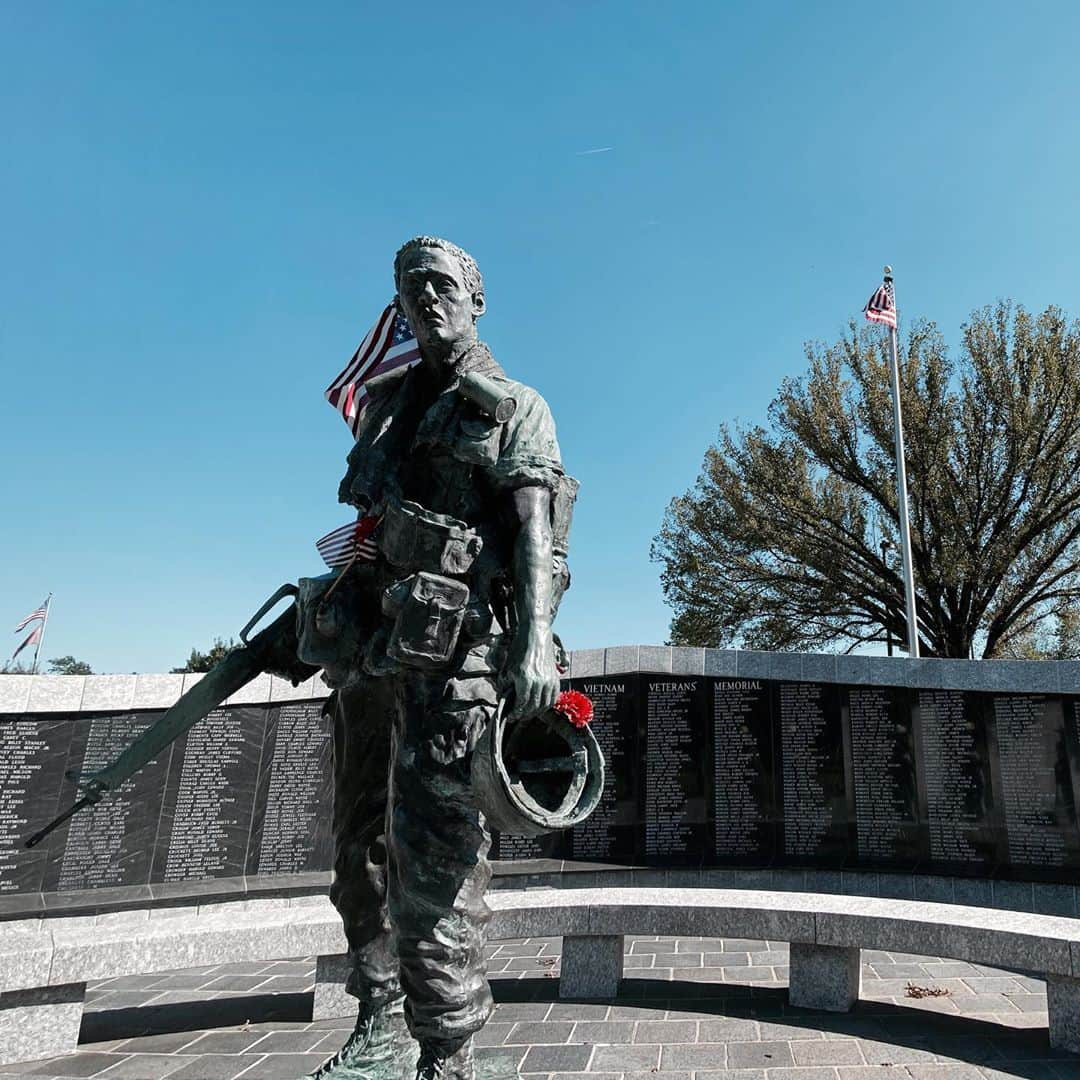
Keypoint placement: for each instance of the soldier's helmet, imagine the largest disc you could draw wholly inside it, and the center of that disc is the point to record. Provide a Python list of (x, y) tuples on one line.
[(537, 775)]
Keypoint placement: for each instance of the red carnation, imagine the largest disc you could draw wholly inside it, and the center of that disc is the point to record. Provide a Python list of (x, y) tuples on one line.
[(575, 706)]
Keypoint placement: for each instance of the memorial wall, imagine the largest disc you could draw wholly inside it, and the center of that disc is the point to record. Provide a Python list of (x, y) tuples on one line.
[(713, 771), (815, 762), (246, 791)]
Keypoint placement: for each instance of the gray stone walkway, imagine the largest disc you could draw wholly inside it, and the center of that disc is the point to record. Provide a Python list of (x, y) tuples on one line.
[(691, 1009)]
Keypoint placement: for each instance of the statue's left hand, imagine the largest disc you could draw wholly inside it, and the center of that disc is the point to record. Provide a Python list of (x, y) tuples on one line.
[(533, 678)]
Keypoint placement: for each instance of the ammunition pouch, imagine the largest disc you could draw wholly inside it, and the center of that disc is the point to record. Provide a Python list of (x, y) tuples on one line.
[(412, 538), (428, 610), (332, 629)]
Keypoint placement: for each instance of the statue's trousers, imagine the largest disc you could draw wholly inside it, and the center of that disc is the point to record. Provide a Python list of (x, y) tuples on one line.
[(411, 863)]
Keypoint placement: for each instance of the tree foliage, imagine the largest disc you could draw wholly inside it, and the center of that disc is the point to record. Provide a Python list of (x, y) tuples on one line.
[(778, 544), (68, 665), (204, 661)]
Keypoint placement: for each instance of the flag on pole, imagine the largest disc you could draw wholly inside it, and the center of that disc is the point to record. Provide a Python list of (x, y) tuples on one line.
[(389, 344), (881, 307), (31, 639), (39, 613), (349, 542)]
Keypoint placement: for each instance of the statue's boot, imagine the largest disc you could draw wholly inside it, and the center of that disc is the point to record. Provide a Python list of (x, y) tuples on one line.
[(435, 1063), (374, 1049)]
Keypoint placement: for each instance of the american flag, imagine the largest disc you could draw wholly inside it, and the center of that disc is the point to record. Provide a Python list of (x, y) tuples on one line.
[(389, 344), (349, 543), (31, 639), (881, 307), (39, 613)]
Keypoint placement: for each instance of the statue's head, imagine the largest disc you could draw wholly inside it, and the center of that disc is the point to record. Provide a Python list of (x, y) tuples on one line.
[(440, 291)]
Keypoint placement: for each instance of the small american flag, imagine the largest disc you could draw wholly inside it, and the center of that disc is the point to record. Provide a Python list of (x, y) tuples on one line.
[(39, 613), (31, 639), (349, 543), (881, 307), (389, 344)]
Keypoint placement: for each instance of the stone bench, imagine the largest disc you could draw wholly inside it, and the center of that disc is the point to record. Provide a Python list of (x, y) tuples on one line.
[(45, 964)]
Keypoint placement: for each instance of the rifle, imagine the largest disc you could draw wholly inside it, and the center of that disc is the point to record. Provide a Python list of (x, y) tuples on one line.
[(273, 649)]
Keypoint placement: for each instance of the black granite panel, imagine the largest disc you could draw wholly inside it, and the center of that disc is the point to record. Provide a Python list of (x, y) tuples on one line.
[(110, 844), (32, 757), (294, 799), (678, 768), (210, 797), (745, 809), (613, 833), (881, 733), (956, 786), (1037, 797), (812, 781)]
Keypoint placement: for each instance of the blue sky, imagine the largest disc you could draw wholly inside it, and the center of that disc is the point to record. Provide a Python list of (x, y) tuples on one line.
[(201, 203)]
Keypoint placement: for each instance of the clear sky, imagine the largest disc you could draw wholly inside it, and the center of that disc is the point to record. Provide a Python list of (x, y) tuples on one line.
[(201, 202)]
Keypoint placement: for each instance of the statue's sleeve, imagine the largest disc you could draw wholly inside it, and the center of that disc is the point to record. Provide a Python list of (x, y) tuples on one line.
[(530, 451)]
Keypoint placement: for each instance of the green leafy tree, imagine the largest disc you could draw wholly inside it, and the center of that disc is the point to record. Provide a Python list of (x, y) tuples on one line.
[(68, 665), (778, 545), (204, 661)]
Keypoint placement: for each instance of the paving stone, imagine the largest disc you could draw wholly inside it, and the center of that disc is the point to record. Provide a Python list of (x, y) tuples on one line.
[(287, 1042), (729, 1074), (521, 1010), (549, 1059), (945, 1070), (759, 1055), (81, 1064), (597, 1032), (819, 1073), (578, 1010), (169, 1042), (144, 1067), (492, 1034), (728, 1029), (542, 1032), (882, 1053), (281, 1067), (625, 1058), (826, 1052), (666, 1031), (211, 1067)]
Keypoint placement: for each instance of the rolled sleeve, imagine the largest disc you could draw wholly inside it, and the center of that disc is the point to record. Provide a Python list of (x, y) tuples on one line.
[(530, 451)]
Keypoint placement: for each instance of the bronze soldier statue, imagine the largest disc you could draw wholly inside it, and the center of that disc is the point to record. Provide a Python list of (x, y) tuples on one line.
[(462, 466)]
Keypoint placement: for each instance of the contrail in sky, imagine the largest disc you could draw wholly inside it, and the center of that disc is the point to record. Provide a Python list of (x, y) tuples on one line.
[(597, 150)]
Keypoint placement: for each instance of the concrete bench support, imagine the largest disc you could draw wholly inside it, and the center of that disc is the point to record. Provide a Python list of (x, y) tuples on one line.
[(824, 977), (331, 1001), (41, 1022), (592, 966), (1063, 1004)]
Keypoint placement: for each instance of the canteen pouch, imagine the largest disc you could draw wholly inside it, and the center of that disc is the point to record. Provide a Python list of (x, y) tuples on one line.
[(333, 620), (413, 538), (428, 610)]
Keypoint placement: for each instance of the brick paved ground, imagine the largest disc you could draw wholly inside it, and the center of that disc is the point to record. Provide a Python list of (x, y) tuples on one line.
[(691, 1009)]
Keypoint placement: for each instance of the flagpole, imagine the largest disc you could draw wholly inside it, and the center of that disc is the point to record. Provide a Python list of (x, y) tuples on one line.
[(41, 638), (901, 485)]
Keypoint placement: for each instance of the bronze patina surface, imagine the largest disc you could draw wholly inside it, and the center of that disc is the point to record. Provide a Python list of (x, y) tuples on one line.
[(462, 466)]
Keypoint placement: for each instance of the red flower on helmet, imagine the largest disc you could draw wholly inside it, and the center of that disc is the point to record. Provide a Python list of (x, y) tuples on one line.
[(575, 706)]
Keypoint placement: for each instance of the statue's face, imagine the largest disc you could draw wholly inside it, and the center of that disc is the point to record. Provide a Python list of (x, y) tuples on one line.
[(439, 307)]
